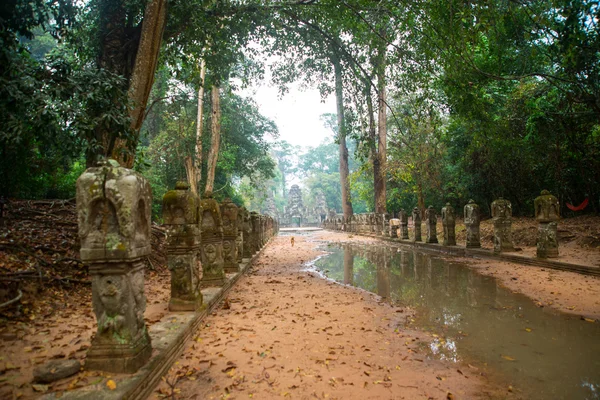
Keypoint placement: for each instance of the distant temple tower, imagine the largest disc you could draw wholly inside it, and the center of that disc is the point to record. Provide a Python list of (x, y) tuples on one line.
[(295, 208)]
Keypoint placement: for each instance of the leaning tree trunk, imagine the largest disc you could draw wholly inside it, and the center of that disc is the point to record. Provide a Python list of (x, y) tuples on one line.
[(344, 170), (215, 140), (142, 78), (193, 168), (373, 146), (380, 186)]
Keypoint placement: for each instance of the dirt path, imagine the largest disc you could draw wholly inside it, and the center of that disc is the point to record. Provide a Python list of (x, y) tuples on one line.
[(284, 332)]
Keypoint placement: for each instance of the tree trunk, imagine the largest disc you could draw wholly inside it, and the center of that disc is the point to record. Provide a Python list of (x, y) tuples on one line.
[(373, 145), (194, 169), (380, 186), (215, 140), (344, 170), (142, 78)]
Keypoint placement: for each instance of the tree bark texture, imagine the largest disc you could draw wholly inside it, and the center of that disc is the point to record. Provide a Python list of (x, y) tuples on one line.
[(194, 168), (141, 78), (373, 144), (380, 184), (215, 140), (344, 170)]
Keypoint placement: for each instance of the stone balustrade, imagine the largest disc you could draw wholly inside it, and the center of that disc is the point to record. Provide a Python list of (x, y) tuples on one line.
[(114, 216)]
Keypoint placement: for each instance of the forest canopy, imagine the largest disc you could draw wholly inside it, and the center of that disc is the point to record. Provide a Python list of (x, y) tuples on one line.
[(437, 101)]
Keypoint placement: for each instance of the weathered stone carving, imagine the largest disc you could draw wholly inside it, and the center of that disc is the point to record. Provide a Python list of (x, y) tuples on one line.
[(385, 222), (416, 215), (295, 207), (211, 249), (472, 220), (449, 225), (181, 215), (501, 216), (394, 225), (255, 233), (229, 214), (547, 213), (403, 217), (247, 244), (431, 225), (113, 211), (239, 241)]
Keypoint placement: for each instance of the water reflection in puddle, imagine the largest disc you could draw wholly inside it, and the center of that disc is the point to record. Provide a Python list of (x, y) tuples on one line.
[(543, 353)]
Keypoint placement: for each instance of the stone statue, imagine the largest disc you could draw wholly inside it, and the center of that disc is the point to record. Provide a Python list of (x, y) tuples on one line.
[(547, 213), (403, 217), (431, 225), (394, 225), (113, 212), (472, 220), (416, 215), (181, 215), (295, 207), (501, 215), (229, 214), (247, 244), (385, 222), (449, 225), (239, 240), (211, 249)]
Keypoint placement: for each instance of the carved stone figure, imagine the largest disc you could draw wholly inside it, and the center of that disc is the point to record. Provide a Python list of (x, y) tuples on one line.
[(416, 215), (385, 222), (181, 215), (472, 220), (501, 216), (403, 217), (229, 214), (113, 211), (255, 233), (211, 250), (449, 225), (239, 241), (394, 226), (431, 225), (247, 244), (547, 213)]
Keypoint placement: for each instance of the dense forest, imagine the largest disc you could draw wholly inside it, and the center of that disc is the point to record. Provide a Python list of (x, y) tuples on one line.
[(436, 100)]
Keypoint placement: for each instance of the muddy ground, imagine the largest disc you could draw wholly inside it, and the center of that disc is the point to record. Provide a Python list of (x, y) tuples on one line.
[(285, 332)]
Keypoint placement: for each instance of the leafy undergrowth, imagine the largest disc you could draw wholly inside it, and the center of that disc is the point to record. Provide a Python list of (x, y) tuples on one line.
[(51, 316)]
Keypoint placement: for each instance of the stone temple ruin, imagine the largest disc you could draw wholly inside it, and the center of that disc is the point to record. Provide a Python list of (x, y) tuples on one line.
[(546, 213), (296, 214), (205, 242)]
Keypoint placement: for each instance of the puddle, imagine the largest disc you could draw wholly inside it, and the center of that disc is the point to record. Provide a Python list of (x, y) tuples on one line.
[(542, 353)]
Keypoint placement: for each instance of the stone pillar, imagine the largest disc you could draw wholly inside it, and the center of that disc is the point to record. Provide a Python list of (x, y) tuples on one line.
[(472, 220), (416, 215), (394, 225), (229, 215), (501, 215), (431, 225), (449, 225), (239, 240), (181, 215), (547, 213), (113, 212), (247, 244), (211, 249), (403, 217), (255, 234), (385, 223)]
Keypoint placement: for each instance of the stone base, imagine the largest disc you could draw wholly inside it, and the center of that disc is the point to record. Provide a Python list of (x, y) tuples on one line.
[(217, 282), (119, 358), (473, 245), (231, 268), (186, 305)]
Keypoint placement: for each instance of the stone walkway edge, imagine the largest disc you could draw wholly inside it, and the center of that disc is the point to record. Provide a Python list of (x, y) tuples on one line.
[(488, 254), (169, 337)]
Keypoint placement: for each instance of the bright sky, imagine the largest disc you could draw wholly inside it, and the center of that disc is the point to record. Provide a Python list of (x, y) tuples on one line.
[(297, 114)]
